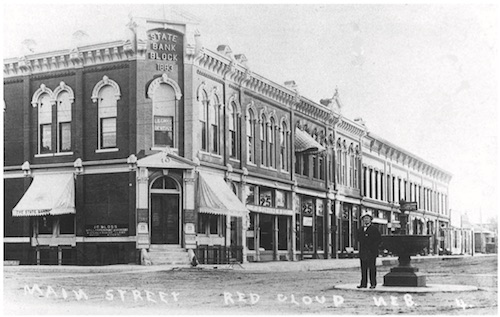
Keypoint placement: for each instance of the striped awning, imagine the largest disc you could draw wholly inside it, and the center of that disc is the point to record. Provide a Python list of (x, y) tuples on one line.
[(49, 194), (305, 143), (216, 197)]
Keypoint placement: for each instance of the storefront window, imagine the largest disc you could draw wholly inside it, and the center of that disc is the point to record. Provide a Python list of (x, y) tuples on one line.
[(250, 194), (281, 199), (319, 223), (266, 231), (265, 197), (67, 224), (251, 232), (210, 224), (45, 225), (282, 233)]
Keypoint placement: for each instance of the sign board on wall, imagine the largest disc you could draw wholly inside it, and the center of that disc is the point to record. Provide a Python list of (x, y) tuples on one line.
[(165, 48), (408, 206), (106, 230)]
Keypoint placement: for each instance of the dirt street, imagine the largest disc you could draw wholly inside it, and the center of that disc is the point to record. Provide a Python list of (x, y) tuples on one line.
[(133, 290)]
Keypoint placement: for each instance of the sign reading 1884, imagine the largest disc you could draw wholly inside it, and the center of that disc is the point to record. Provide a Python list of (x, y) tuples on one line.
[(164, 47)]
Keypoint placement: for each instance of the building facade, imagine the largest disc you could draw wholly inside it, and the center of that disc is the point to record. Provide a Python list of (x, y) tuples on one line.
[(155, 142)]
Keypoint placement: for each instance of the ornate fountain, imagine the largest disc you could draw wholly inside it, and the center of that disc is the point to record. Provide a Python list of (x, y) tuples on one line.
[(404, 246)]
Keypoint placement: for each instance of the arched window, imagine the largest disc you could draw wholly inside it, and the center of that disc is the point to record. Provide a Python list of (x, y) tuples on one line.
[(63, 122), (344, 166), (338, 169), (164, 113), (106, 93), (250, 136), (45, 124), (263, 141), (107, 118), (204, 103), (272, 143), (356, 171), (233, 127), (351, 167), (213, 119), (283, 147)]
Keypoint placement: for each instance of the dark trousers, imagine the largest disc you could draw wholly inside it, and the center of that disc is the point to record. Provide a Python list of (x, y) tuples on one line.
[(368, 265)]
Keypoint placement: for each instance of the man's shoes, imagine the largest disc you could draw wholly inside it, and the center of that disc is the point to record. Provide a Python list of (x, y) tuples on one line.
[(361, 286), (373, 286)]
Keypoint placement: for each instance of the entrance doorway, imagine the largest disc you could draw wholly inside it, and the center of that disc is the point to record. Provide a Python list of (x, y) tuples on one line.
[(165, 210)]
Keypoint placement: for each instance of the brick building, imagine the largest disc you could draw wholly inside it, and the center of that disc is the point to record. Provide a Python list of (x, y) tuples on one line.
[(155, 142)]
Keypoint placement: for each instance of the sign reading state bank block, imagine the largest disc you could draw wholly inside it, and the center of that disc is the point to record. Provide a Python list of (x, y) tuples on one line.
[(165, 47)]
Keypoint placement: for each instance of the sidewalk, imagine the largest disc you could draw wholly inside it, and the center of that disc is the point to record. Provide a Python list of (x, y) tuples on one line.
[(275, 266)]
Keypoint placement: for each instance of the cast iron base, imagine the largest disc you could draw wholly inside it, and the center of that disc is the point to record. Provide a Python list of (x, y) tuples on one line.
[(404, 276)]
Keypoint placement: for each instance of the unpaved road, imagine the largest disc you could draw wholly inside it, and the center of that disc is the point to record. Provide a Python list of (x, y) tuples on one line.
[(241, 291)]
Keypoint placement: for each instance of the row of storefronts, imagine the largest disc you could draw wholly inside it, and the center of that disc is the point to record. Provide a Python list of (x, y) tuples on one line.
[(112, 149)]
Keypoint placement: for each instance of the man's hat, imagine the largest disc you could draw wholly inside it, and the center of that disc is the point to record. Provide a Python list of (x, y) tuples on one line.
[(367, 215)]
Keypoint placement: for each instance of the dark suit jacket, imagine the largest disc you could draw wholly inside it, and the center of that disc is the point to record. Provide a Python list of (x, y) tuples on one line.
[(369, 241)]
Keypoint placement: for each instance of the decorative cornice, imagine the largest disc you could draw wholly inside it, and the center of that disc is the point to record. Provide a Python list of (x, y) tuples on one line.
[(68, 59)]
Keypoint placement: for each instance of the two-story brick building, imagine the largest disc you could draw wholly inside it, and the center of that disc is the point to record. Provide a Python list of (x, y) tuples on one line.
[(155, 142)]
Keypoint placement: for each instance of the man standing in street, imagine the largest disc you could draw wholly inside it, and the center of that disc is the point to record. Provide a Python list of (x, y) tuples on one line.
[(369, 238)]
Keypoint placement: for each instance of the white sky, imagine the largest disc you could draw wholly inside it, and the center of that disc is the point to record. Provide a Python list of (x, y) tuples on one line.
[(423, 77)]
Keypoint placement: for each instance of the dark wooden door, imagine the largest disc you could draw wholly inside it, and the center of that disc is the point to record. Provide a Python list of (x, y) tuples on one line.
[(164, 218)]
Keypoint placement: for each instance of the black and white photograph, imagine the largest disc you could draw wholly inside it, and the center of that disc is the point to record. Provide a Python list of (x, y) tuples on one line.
[(178, 158)]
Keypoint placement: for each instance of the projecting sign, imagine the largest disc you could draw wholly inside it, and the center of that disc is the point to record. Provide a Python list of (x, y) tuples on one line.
[(408, 206)]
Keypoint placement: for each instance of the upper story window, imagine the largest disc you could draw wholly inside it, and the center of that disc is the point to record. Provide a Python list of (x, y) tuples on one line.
[(54, 118), (106, 93), (263, 139), (250, 130), (234, 130), (165, 93), (213, 119), (63, 104), (284, 147), (107, 114), (272, 143), (163, 116), (203, 115), (45, 124), (338, 162)]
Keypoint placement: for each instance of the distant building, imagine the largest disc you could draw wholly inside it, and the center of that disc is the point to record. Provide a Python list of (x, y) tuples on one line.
[(154, 142)]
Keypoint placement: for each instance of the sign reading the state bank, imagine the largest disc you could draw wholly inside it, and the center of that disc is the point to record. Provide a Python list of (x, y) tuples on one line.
[(165, 47)]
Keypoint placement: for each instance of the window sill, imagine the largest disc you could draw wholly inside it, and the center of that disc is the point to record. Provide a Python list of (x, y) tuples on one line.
[(175, 150), (107, 150), (252, 164), (44, 155), (63, 153), (211, 154), (235, 160)]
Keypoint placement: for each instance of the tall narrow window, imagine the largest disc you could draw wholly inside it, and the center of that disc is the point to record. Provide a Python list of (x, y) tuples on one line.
[(203, 114), (356, 171), (272, 143), (107, 117), (283, 148), (164, 114), (351, 167), (213, 118), (45, 124), (232, 118), (338, 160), (321, 166), (344, 167), (250, 130), (63, 122), (263, 131)]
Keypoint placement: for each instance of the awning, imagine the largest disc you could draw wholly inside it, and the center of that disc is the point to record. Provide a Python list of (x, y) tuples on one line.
[(304, 143), (216, 197), (50, 194)]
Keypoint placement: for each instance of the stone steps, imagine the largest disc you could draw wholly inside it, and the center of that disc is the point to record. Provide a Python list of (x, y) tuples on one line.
[(168, 254)]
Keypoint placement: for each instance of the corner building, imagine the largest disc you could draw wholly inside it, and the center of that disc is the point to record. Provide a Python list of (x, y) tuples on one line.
[(155, 142)]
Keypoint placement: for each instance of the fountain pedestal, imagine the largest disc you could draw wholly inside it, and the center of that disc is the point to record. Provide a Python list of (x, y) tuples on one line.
[(405, 246)]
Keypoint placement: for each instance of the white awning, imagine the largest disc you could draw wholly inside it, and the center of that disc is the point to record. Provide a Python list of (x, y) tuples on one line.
[(49, 194), (305, 143), (216, 197)]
